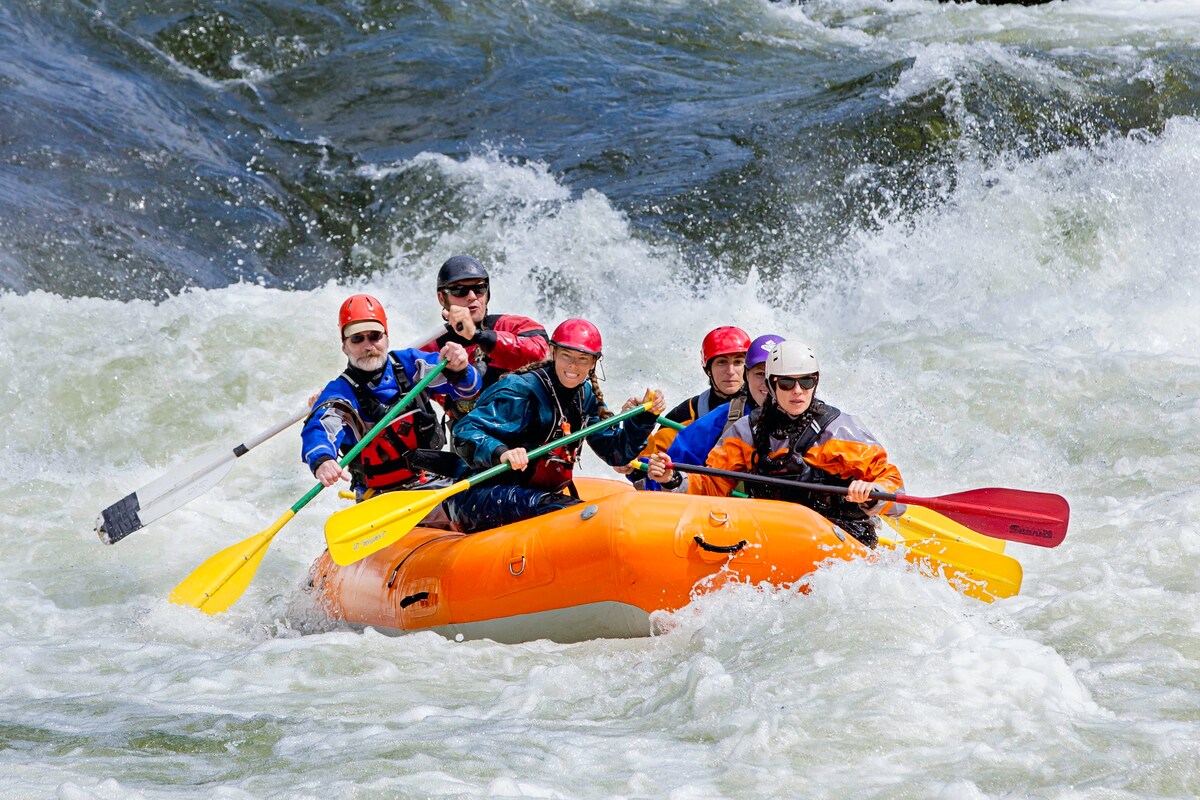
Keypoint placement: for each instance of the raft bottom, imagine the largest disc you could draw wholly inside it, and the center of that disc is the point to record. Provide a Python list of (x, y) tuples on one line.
[(604, 620)]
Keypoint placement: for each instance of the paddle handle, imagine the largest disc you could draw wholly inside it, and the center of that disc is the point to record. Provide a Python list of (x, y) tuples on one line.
[(670, 423), (388, 418), (582, 433)]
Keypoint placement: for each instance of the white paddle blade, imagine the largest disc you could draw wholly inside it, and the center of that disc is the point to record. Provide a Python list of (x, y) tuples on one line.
[(162, 496), (178, 487)]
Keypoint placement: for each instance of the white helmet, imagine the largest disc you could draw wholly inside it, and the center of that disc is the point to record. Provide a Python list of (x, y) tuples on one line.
[(792, 358)]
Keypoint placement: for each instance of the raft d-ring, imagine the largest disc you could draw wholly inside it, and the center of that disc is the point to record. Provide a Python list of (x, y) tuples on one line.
[(514, 562), (718, 520)]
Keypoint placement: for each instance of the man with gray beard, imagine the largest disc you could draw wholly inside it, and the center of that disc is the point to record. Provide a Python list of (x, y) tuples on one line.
[(373, 380)]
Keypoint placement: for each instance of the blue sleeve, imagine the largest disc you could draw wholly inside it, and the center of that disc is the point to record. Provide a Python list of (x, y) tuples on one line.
[(693, 443), (326, 433), (500, 420), (418, 363)]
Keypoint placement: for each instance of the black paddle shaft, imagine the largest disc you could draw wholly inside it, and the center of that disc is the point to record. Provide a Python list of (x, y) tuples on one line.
[(784, 482)]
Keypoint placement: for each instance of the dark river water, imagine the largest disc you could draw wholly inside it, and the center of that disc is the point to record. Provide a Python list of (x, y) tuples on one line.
[(154, 146)]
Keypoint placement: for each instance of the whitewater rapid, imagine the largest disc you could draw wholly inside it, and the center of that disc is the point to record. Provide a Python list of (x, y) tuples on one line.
[(1032, 323)]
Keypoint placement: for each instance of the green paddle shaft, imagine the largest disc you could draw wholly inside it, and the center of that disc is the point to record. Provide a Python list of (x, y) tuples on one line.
[(582, 433), (670, 423)]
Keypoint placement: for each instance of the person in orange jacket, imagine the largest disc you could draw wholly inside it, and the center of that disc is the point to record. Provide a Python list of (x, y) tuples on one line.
[(497, 344), (795, 435)]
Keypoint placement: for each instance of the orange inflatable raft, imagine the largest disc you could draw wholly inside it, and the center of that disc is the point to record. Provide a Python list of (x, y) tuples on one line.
[(591, 571)]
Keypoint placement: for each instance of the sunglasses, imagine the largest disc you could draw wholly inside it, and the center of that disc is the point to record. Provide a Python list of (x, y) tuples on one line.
[(479, 289), (359, 338), (788, 383)]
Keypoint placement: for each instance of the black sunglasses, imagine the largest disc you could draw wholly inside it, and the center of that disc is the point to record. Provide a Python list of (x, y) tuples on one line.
[(787, 383), (359, 338), (463, 290)]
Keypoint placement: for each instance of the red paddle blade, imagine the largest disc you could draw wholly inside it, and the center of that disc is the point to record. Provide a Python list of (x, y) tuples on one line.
[(1036, 518)]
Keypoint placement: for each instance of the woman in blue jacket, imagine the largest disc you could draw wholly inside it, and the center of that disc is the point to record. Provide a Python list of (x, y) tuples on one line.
[(533, 407)]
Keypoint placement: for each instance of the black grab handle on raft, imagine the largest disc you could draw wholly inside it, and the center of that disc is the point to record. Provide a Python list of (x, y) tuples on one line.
[(717, 548)]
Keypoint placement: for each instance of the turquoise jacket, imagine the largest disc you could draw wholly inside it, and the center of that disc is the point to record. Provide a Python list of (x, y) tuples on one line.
[(518, 411)]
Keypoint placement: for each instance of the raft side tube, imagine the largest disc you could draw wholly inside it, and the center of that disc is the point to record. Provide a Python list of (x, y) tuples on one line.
[(593, 570)]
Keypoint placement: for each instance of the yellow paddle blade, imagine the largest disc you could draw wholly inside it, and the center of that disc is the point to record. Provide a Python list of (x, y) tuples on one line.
[(923, 523), (217, 584), (975, 571), (357, 532)]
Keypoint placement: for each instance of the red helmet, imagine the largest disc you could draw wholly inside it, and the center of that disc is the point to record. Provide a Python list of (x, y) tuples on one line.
[(578, 334), (723, 341), (364, 310)]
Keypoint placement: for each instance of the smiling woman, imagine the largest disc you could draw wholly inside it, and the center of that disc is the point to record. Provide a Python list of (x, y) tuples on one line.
[(572, 369), (535, 407)]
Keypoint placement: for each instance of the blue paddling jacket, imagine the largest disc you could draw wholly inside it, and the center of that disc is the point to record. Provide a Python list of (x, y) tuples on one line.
[(524, 410), (345, 410), (692, 444)]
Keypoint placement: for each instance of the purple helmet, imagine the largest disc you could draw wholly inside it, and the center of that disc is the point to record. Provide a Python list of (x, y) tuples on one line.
[(760, 349)]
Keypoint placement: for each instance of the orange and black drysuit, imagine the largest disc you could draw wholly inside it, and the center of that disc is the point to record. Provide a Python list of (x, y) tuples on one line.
[(822, 445)]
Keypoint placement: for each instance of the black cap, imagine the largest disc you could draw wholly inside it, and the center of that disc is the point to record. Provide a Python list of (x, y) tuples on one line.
[(460, 268)]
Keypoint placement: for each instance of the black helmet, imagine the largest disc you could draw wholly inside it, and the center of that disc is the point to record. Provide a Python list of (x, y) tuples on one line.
[(460, 268)]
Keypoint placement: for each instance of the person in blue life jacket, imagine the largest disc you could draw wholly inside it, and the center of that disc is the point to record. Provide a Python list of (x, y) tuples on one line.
[(530, 408), (693, 444), (374, 378)]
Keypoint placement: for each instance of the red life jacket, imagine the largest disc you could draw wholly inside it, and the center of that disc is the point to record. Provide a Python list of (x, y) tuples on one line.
[(554, 471), (384, 461)]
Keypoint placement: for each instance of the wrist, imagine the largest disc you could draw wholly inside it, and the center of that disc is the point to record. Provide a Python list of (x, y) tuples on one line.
[(485, 339), (455, 336)]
